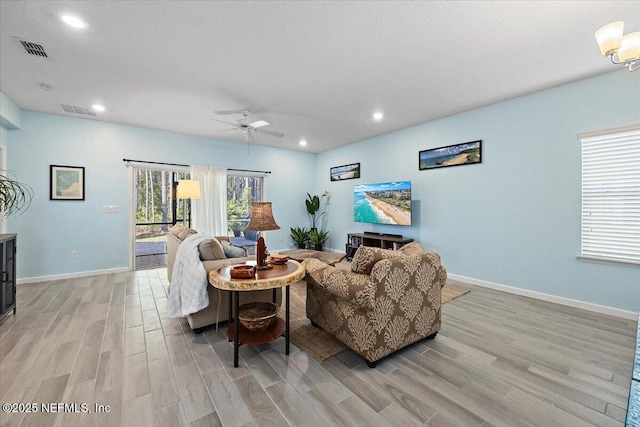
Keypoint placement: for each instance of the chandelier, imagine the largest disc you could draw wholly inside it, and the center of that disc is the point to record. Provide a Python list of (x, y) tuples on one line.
[(621, 49)]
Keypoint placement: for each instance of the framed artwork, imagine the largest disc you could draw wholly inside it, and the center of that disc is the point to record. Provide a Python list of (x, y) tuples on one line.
[(452, 155), (66, 183), (343, 172)]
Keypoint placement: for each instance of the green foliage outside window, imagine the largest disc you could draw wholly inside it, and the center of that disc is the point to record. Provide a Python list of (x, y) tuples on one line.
[(241, 192)]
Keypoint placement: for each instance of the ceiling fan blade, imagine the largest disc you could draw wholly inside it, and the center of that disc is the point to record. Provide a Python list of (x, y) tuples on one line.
[(229, 123), (269, 132), (259, 123), (226, 112)]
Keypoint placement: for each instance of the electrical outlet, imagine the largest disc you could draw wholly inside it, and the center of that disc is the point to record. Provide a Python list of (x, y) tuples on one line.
[(281, 239), (74, 254)]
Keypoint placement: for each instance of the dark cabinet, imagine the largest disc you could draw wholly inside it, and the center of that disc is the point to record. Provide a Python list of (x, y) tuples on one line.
[(8, 273), (384, 241)]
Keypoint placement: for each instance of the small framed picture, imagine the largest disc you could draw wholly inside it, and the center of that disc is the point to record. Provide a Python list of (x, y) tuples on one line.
[(67, 183), (340, 173), (452, 155)]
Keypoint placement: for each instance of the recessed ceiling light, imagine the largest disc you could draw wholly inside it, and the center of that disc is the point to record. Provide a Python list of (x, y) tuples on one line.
[(98, 107), (303, 142), (378, 115), (74, 21)]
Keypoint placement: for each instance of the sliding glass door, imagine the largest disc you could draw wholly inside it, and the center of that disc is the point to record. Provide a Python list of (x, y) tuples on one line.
[(242, 190), (156, 210)]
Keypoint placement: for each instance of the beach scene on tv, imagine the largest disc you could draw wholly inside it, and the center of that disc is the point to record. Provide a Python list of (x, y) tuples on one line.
[(383, 203), (451, 156)]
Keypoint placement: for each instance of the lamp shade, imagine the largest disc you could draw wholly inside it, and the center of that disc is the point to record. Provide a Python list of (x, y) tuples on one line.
[(261, 217), (188, 189), (609, 37), (630, 48)]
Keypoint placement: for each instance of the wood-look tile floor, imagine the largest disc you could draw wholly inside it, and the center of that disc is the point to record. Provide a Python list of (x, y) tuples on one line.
[(500, 360)]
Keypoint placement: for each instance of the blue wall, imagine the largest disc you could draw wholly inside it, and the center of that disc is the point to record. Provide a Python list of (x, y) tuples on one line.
[(50, 230), (512, 220), (9, 113), (515, 218)]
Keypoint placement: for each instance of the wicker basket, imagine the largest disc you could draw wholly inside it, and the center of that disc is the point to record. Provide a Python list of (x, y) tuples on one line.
[(257, 316)]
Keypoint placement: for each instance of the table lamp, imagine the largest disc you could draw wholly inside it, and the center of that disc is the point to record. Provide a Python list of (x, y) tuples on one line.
[(188, 189), (261, 220)]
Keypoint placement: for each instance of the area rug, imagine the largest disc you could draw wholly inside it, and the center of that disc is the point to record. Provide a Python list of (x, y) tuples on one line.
[(318, 343)]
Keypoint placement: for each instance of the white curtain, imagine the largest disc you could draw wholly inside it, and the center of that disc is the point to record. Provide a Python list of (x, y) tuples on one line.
[(209, 213)]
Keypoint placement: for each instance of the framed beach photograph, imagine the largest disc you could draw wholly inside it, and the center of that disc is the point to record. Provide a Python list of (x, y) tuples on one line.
[(343, 172), (67, 183), (452, 155)]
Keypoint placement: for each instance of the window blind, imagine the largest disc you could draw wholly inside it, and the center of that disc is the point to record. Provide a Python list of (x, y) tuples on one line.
[(611, 196)]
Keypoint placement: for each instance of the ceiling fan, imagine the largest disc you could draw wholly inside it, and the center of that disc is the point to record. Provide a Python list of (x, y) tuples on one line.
[(247, 128)]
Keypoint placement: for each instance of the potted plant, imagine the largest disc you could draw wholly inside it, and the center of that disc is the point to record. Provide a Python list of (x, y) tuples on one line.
[(317, 238), (236, 226), (313, 207), (300, 235), (14, 196)]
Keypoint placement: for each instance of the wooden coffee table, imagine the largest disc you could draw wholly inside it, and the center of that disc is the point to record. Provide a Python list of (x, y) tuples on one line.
[(300, 255), (277, 277)]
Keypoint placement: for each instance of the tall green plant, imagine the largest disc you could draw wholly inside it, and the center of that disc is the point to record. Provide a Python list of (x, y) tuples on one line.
[(14, 196), (313, 207)]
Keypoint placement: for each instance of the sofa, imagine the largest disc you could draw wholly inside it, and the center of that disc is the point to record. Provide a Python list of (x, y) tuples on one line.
[(384, 302), (215, 252)]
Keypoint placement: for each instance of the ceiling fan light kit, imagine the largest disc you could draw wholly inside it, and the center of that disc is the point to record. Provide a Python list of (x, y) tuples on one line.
[(621, 49)]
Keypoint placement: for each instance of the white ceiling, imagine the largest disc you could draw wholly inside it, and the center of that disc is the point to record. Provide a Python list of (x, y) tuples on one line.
[(314, 70)]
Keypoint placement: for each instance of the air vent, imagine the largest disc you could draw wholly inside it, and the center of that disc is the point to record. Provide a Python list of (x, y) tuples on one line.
[(75, 109), (34, 48)]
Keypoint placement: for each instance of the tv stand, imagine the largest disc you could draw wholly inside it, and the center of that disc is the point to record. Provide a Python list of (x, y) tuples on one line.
[(371, 233), (376, 240)]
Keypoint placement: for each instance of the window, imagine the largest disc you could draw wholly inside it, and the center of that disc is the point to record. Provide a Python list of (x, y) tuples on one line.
[(611, 195), (242, 190)]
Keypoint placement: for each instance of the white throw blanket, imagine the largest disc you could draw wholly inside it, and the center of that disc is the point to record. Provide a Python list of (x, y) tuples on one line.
[(188, 291)]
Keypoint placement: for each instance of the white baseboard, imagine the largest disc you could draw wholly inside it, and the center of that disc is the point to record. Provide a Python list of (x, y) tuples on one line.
[(603, 309), (37, 279)]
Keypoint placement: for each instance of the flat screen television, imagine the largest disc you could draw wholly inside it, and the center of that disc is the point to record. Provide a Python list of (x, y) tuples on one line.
[(383, 203)]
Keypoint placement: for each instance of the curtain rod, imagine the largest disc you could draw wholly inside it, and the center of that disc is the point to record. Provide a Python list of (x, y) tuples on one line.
[(178, 164)]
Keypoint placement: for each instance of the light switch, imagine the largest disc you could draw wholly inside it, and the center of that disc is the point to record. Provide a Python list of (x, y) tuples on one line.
[(110, 209)]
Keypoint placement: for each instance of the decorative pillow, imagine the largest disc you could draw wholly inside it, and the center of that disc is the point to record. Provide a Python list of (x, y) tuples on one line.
[(366, 257), (233, 251), (186, 232), (176, 229), (413, 248), (211, 250)]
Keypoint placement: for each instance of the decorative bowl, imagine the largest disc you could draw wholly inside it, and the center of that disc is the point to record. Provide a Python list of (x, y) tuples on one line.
[(242, 271), (257, 316), (278, 259)]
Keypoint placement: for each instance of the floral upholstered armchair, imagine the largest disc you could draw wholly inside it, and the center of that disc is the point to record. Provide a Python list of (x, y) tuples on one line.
[(388, 300)]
